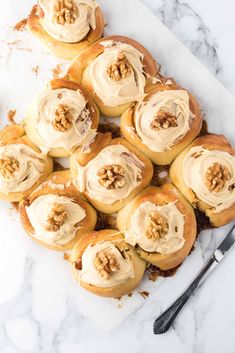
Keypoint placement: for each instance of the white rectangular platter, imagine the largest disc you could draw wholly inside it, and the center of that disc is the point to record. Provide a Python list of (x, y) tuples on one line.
[(25, 68)]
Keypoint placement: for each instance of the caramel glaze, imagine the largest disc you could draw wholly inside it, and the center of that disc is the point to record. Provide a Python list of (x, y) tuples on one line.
[(110, 127), (106, 221), (57, 166)]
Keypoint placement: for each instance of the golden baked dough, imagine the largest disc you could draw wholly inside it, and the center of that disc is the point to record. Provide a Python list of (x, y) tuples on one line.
[(104, 264), (55, 215), (115, 71), (22, 166), (62, 118), (63, 49), (161, 225), (205, 174), (164, 123), (111, 174)]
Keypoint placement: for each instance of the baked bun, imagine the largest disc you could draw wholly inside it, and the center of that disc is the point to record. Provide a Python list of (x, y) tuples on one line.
[(161, 225), (66, 27), (62, 118), (205, 174), (115, 71), (104, 264), (111, 174), (55, 215), (22, 166), (163, 123)]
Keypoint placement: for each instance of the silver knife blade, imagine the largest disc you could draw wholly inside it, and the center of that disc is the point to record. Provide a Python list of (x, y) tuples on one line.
[(225, 245), (165, 320)]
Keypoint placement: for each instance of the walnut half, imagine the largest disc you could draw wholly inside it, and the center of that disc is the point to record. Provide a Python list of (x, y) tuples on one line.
[(56, 218), (8, 166), (164, 120), (157, 226), (106, 264), (112, 176), (216, 177), (120, 69), (63, 118), (66, 11)]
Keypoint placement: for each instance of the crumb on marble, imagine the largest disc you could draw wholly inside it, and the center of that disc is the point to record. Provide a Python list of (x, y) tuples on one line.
[(144, 294), (21, 25), (57, 71), (10, 116), (35, 69)]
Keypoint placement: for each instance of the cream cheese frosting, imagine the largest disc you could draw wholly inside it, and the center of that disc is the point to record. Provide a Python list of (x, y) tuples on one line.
[(88, 181), (44, 112), (171, 242), (175, 102), (39, 210), (73, 32), (31, 167), (89, 273), (128, 89), (195, 165)]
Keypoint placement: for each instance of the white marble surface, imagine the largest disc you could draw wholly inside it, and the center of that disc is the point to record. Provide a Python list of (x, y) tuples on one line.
[(37, 315)]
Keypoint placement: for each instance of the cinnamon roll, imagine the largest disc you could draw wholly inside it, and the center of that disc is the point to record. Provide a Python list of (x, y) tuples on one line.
[(55, 215), (111, 174), (115, 70), (66, 27), (104, 264), (205, 174), (160, 224), (163, 123), (22, 166), (62, 118)]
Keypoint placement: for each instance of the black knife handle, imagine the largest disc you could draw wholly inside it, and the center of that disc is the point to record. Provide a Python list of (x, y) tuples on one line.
[(166, 319)]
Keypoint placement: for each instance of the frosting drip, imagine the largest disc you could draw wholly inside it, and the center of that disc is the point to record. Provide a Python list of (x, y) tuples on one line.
[(175, 102), (69, 32), (195, 166), (30, 168), (173, 239), (125, 90), (88, 179), (38, 213), (91, 275), (45, 111)]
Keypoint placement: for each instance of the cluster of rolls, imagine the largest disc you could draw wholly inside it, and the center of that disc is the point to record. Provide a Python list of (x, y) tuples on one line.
[(160, 122)]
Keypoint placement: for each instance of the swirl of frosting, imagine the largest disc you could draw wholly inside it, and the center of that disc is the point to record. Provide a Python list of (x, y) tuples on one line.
[(115, 92), (29, 166), (173, 239), (53, 105), (173, 102), (195, 172), (91, 275), (88, 179), (83, 19), (39, 212)]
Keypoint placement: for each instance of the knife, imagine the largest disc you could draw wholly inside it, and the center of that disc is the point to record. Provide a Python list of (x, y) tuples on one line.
[(166, 319)]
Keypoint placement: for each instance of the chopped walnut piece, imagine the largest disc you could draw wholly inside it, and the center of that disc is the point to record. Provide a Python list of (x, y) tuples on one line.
[(106, 264), (163, 120), (56, 218), (112, 176), (63, 118), (66, 12), (216, 177), (120, 69), (157, 226), (8, 166)]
